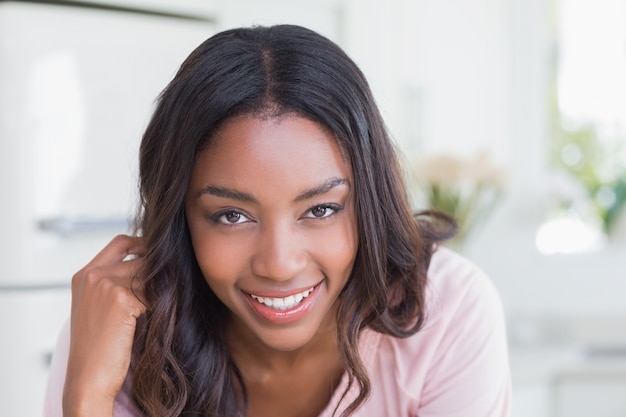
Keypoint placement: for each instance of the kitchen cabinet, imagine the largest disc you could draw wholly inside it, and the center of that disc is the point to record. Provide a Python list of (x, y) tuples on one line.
[(594, 389), (531, 400), (192, 8), (566, 381), (30, 321)]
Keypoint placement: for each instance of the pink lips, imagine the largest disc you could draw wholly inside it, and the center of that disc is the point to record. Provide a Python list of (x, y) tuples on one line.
[(288, 315)]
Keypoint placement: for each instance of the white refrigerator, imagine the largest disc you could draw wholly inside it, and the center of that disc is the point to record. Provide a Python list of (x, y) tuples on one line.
[(77, 87)]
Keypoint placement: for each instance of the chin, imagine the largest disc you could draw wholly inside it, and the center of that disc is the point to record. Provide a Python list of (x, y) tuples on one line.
[(286, 340)]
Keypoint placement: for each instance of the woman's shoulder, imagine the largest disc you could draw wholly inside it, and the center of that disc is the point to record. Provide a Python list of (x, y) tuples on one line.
[(458, 294), (451, 271), (457, 363), (455, 285), (463, 332)]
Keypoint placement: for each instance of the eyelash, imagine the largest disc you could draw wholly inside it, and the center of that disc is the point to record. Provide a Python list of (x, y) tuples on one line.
[(327, 206), (218, 218)]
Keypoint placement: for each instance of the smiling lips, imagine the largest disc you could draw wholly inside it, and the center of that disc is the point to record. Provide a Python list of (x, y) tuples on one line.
[(283, 303), (278, 310)]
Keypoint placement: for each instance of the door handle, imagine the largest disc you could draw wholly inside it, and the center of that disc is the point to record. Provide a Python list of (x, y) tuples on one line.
[(67, 226)]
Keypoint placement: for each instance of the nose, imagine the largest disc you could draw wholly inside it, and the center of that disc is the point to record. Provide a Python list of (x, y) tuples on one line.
[(280, 253)]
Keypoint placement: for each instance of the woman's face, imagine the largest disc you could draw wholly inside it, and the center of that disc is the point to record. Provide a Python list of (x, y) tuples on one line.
[(270, 208)]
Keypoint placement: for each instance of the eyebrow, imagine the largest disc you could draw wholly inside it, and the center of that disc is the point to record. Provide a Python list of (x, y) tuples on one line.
[(321, 189), (229, 193)]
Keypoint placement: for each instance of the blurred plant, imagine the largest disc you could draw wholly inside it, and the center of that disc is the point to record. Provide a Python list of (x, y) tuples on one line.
[(598, 165), (466, 189)]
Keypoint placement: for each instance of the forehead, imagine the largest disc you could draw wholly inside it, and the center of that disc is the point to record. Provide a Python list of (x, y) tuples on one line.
[(277, 149)]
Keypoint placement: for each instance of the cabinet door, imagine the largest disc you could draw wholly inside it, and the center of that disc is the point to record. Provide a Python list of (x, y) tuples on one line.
[(530, 399), (597, 393), (30, 321), (77, 88)]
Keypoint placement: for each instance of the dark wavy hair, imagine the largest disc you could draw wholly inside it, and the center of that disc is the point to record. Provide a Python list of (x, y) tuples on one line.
[(182, 365)]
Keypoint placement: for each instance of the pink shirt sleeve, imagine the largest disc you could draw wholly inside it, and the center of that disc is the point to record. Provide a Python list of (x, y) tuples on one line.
[(455, 366), (464, 343), (53, 406), (53, 403)]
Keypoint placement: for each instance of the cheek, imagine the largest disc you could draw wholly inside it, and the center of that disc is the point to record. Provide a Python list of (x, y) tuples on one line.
[(337, 249), (221, 263)]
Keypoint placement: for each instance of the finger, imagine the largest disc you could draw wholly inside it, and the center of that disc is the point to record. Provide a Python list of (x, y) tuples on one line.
[(118, 249), (127, 274)]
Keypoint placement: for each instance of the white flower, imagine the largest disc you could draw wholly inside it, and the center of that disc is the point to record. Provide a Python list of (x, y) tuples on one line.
[(466, 189)]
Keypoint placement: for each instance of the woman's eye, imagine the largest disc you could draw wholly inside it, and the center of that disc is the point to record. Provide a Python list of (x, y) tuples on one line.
[(323, 211), (231, 218)]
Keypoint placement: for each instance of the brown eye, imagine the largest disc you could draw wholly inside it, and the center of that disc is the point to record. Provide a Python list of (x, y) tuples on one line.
[(319, 211), (323, 211), (232, 217)]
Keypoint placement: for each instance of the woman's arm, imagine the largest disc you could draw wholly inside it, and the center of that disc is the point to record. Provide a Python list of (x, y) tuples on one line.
[(105, 309)]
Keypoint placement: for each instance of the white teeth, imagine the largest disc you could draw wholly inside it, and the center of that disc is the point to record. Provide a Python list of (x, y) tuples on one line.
[(283, 303), (290, 301)]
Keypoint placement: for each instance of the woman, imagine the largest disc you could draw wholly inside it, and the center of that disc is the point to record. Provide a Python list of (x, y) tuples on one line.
[(280, 270)]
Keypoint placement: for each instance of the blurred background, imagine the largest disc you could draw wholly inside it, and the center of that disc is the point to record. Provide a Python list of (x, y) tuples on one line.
[(510, 114)]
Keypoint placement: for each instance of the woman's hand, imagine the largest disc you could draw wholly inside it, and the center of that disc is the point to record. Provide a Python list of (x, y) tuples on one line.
[(104, 316)]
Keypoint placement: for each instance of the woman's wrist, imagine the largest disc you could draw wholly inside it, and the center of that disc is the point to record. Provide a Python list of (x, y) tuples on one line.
[(86, 405)]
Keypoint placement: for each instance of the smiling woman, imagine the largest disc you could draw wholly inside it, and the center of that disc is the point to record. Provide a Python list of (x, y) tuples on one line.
[(279, 271)]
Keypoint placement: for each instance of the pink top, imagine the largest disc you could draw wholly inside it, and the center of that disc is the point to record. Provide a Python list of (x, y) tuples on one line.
[(456, 366)]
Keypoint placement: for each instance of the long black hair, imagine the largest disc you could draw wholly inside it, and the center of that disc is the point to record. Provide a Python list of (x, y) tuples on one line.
[(183, 365)]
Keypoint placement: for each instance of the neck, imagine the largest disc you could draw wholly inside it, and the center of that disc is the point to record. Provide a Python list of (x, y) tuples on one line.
[(294, 382)]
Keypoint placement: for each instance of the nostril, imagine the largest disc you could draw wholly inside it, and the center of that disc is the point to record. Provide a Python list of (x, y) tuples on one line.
[(280, 254), (278, 265)]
